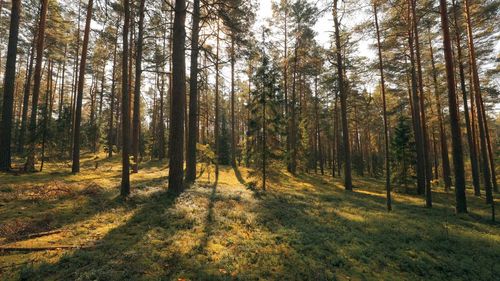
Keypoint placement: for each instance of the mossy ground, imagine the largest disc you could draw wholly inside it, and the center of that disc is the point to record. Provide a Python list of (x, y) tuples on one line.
[(302, 228)]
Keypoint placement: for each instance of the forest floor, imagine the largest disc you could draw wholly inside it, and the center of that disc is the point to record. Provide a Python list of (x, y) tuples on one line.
[(58, 226)]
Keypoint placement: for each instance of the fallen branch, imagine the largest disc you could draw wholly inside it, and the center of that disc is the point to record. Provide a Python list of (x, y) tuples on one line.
[(45, 233), (41, 248)]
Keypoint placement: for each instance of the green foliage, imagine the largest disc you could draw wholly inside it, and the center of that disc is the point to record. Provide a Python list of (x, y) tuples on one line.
[(403, 151)]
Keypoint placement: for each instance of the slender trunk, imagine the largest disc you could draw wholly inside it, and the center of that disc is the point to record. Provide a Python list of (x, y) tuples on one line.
[(423, 122), (9, 87), (419, 139), (26, 96), (176, 173), (81, 83), (30, 161), (458, 161), (384, 110), (442, 132), (216, 125), (480, 118), (112, 101), (137, 90), (193, 95), (233, 121)]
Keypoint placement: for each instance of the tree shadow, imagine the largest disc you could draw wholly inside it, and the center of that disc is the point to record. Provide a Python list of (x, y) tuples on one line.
[(333, 234)]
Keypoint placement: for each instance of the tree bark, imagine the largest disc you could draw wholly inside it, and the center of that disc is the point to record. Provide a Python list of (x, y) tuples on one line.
[(384, 110), (480, 118), (343, 102), (458, 161), (81, 83), (193, 95), (30, 161), (176, 153), (137, 90), (125, 103), (9, 87)]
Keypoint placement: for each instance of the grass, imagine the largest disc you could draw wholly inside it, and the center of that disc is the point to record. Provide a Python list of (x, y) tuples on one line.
[(303, 228)]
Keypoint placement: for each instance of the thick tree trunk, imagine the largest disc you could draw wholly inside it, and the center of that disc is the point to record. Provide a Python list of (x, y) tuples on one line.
[(125, 103), (176, 153), (458, 161), (343, 102), (9, 88), (81, 83), (193, 95)]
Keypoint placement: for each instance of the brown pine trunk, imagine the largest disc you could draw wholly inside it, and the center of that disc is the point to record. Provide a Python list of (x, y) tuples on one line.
[(216, 125), (125, 103), (423, 122), (419, 140), (81, 82), (176, 145), (384, 110), (444, 142), (458, 162), (137, 90), (30, 161), (480, 118), (470, 133), (343, 102), (9, 87), (193, 95), (112, 100)]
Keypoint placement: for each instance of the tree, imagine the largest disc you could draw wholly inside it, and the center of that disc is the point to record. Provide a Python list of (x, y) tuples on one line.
[(137, 89), (176, 144), (458, 161), (40, 38), (9, 85), (384, 111), (193, 95), (125, 103), (343, 100), (75, 168)]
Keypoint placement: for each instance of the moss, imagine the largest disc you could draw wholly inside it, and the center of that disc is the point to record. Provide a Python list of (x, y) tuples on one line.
[(303, 228)]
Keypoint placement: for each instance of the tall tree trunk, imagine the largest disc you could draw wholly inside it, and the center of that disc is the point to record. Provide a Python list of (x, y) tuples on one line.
[(30, 161), (419, 139), (137, 90), (176, 153), (423, 122), (9, 87), (470, 135), (193, 95), (480, 118), (343, 102), (216, 125), (458, 161), (384, 110), (233, 121), (125, 103), (112, 100), (81, 83), (442, 132), (26, 96)]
